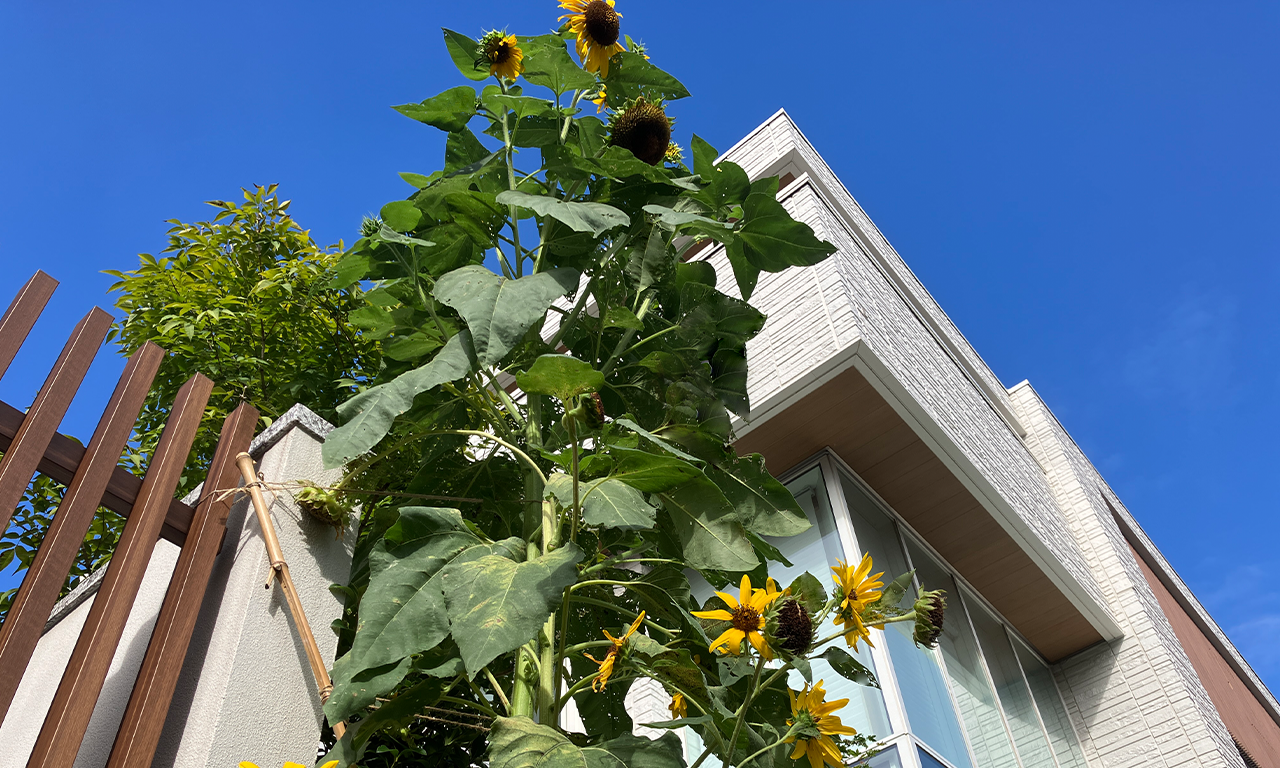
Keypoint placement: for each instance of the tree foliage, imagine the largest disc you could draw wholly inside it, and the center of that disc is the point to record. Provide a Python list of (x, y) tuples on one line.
[(249, 300)]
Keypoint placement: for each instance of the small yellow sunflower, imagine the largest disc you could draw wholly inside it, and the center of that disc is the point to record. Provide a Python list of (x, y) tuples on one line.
[(610, 659), (746, 616), (854, 628), (595, 22), (857, 587), (678, 707), (600, 100), (818, 725), (503, 54)]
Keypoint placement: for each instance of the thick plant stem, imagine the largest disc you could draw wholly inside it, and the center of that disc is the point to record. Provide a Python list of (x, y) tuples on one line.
[(742, 712), (625, 341), (523, 701)]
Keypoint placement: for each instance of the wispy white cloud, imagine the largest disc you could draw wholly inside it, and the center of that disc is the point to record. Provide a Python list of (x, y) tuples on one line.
[(1187, 358)]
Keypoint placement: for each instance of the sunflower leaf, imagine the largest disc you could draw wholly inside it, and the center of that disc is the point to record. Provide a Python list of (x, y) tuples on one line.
[(631, 76), (596, 218), (550, 66), (449, 111), (849, 668), (499, 311), (462, 50)]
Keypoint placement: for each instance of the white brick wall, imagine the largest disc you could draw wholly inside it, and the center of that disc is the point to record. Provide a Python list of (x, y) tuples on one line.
[(1137, 701)]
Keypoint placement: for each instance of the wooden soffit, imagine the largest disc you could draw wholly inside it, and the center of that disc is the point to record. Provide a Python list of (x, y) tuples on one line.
[(848, 415)]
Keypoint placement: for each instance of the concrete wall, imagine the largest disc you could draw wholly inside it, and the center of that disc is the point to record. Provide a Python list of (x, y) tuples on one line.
[(246, 691)]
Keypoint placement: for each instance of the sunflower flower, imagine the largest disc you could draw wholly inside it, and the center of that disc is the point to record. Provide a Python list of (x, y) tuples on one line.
[(610, 659), (747, 617), (679, 707), (600, 100), (595, 22), (816, 725), (503, 54), (857, 587)]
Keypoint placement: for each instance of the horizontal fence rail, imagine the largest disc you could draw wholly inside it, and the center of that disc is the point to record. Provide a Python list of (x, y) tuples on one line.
[(31, 443)]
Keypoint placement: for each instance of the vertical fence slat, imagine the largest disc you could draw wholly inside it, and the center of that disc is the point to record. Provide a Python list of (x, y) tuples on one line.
[(39, 591), (42, 419), (144, 718), (21, 316), (73, 703)]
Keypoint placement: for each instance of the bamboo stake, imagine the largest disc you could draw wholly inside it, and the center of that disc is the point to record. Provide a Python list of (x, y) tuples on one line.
[(280, 569)]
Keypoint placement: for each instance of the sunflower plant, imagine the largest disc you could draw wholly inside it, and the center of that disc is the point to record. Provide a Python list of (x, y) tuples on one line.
[(559, 376)]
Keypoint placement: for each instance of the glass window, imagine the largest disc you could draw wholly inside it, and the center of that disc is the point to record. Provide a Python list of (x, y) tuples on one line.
[(973, 695), (929, 761), (816, 551), (924, 692), (885, 758), (1011, 688), (1052, 712)]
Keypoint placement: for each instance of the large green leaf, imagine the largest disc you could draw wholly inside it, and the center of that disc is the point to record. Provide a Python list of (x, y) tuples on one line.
[(688, 221), (771, 240), (658, 441), (596, 218), (612, 504), (650, 472), (450, 111), (353, 693), (397, 712), (704, 157), (709, 532), (499, 311), (403, 609), (631, 75), (652, 262), (561, 376), (495, 605), (518, 742), (370, 414), (763, 504), (550, 65), (462, 50), (849, 667), (402, 215)]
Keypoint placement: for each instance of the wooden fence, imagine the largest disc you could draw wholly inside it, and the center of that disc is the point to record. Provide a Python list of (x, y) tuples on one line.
[(31, 443)]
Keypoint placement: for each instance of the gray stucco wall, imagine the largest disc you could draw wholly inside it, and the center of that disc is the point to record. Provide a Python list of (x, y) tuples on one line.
[(246, 690)]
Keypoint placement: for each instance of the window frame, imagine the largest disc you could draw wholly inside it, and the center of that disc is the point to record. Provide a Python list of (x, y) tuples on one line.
[(907, 743)]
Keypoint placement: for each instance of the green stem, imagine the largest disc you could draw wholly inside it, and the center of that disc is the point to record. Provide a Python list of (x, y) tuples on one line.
[(625, 612), (644, 341), (497, 689), (742, 712), (616, 355), (612, 563), (478, 433), (485, 708), (702, 757), (511, 184), (790, 732)]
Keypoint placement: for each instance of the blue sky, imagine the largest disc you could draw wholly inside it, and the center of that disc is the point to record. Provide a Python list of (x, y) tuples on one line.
[(1089, 189)]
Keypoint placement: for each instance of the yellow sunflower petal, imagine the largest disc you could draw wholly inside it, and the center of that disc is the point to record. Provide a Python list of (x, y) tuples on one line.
[(718, 615), (814, 753), (330, 764), (798, 751), (731, 638), (757, 642), (634, 625), (744, 587), (728, 599)]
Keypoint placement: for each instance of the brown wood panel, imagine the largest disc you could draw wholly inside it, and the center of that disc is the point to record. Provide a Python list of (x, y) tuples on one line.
[(849, 416), (1245, 717), (143, 722), (42, 419), (39, 590), (63, 456), (21, 315), (73, 703)]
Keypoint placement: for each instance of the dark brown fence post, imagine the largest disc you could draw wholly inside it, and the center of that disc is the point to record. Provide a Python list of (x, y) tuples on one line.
[(41, 422), (21, 316), (73, 703), (144, 718), (39, 591)]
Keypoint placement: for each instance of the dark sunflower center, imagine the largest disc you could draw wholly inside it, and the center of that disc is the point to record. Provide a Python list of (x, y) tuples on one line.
[(795, 628), (644, 129), (498, 51), (601, 22), (746, 619)]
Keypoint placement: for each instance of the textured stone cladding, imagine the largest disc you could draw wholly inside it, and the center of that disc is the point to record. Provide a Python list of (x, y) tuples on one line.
[(815, 312), (1137, 701)]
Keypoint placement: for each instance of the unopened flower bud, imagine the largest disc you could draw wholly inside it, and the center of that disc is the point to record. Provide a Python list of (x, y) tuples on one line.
[(930, 609)]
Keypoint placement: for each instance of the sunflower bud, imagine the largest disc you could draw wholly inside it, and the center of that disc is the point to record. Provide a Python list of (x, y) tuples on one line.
[(930, 608), (793, 628), (674, 154), (323, 505), (370, 225), (642, 127)]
